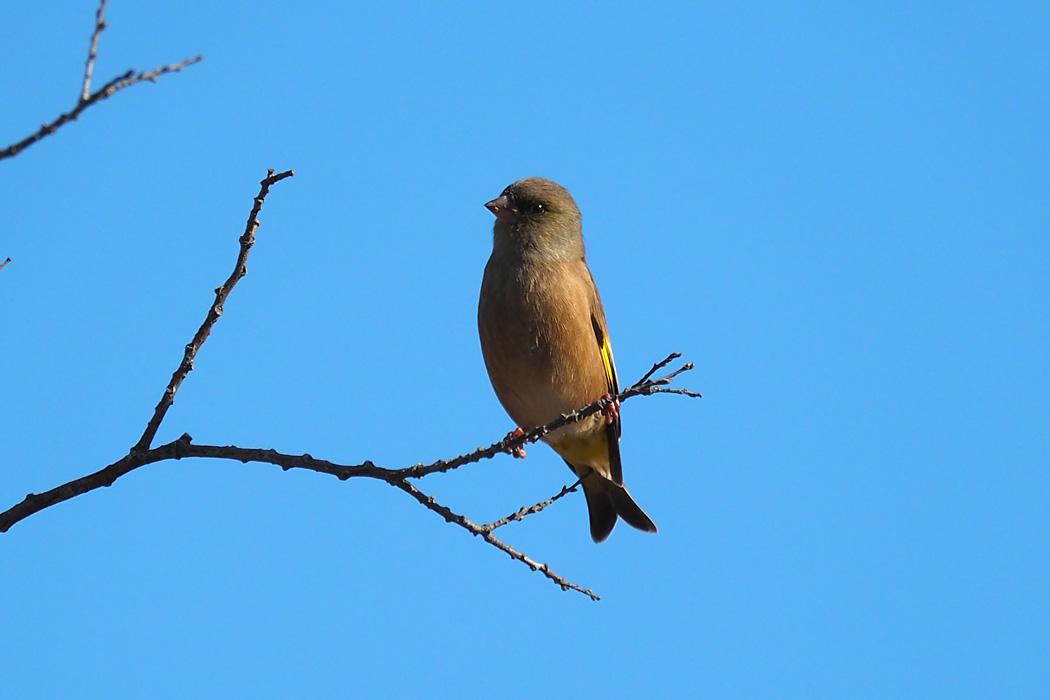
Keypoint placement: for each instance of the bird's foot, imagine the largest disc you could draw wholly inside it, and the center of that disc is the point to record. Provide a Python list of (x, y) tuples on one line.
[(519, 451), (611, 410)]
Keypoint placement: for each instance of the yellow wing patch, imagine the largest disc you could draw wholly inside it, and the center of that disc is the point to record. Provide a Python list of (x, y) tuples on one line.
[(607, 357), (613, 429)]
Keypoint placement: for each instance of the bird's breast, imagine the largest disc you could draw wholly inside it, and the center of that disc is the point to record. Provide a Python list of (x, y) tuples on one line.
[(537, 340)]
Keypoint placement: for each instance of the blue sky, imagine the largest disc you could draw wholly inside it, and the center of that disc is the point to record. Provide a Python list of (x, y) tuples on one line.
[(838, 212)]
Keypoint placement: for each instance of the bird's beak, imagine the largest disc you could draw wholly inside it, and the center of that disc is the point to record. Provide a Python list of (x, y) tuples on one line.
[(500, 206)]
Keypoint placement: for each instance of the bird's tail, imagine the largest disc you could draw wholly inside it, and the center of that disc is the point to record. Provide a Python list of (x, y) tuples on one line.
[(606, 501)]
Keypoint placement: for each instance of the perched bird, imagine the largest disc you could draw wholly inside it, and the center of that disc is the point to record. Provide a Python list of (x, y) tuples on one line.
[(545, 342)]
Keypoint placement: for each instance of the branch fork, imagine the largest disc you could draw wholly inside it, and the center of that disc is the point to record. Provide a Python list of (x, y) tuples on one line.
[(86, 98)]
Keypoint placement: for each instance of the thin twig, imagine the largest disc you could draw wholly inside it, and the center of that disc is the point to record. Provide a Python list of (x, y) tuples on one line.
[(659, 365), (643, 387), (86, 99), (520, 514), (680, 392), (247, 240), (4, 263), (481, 531), (100, 25)]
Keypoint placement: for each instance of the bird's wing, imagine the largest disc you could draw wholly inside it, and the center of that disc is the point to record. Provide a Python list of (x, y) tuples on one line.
[(612, 430)]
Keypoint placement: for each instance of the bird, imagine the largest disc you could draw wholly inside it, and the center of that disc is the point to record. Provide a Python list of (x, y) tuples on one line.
[(546, 345)]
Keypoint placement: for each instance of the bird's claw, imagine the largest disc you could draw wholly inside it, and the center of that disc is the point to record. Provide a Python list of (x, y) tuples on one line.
[(611, 410), (519, 451)]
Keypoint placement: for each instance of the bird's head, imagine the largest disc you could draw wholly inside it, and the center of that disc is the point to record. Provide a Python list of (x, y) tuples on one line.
[(535, 215)]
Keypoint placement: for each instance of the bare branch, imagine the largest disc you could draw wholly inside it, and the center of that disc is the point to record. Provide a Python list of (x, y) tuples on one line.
[(643, 387), (247, 240), (659, 365), (100, 25), (399, 478), (36, 502), (481, 531), (87, 98), (4, 263), (140, 454), (184, 448), (520, 514)]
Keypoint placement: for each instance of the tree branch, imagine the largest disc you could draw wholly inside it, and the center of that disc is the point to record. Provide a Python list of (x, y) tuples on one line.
[(399, 478), (184, 448), (4, 263), (88, 98), (140, 454), (521, 513), (89, 68), (486, 534), (247, 240), (643, 387)]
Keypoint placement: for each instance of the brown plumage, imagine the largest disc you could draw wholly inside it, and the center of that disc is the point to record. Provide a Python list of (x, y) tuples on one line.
[(545, 342)]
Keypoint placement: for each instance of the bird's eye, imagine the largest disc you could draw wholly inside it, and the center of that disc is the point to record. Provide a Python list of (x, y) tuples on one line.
[(537, 208)]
